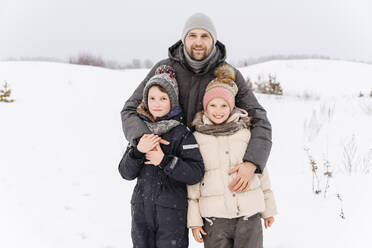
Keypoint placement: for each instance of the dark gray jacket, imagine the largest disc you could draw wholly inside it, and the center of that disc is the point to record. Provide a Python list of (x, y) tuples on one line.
[(165, 184), (192, 87)]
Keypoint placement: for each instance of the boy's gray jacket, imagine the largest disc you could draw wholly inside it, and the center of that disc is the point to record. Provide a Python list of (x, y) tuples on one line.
[(191, 91)]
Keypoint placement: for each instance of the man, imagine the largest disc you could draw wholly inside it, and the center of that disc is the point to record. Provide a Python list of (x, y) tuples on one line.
[(195, 58)]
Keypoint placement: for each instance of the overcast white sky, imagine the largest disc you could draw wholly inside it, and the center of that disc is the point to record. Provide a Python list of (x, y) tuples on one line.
[(122, 30)]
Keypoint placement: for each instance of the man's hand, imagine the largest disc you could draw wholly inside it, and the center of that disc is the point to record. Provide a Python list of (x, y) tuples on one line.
[(268, 222), (154, 156), (241, 181), (198, 233), (149, 141)]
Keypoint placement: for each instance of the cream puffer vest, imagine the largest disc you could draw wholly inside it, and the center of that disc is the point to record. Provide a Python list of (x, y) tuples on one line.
[(212, 197)]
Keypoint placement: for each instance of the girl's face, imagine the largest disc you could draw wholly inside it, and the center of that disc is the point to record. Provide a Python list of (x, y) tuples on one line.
[(158, 102), (217, 110)]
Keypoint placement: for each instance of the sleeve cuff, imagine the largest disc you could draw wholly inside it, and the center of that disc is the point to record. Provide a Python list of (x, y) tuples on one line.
[(258, 169), (136, 153), (169, 163), (163, 162)]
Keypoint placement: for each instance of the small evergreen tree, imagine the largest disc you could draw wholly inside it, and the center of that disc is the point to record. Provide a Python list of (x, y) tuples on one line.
[(271, 87), (275, 88), (5, 94)]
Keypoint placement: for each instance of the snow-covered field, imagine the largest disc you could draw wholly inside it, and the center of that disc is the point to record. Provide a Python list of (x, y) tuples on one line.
[(61, 141)]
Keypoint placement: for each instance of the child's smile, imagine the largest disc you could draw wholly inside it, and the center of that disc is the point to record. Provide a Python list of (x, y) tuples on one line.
[(217, 110)]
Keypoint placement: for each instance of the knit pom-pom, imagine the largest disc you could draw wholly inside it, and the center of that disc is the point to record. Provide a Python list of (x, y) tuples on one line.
[(166, 69), (225, 73)]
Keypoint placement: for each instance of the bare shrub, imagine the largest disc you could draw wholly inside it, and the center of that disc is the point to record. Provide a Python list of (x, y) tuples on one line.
[(366, 108), (308, 96), (87, 59), (327, 174), (366, 163), (319, 119), (355, 162), (148, 64), (321, 181), (349, 155), (341, 214), (314, 169), (312, 127)]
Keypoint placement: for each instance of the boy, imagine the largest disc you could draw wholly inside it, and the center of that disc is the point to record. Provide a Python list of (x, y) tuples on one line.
[(159, 200)]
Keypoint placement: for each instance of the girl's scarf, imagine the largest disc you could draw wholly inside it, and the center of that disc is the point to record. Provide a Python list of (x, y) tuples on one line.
[(237, 120)]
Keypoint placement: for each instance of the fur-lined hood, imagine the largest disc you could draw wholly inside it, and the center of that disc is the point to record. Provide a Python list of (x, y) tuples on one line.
[(144, 113), (141, 110)]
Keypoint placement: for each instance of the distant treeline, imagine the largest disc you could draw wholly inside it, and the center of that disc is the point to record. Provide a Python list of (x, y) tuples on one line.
[(252, 61), (93, 60), (262, 59), (90, 59)]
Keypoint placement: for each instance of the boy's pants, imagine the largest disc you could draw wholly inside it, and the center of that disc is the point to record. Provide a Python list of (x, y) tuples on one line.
[(154, 226), (233, 233)]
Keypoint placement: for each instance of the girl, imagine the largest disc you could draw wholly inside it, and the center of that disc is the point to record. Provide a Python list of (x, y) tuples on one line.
[(219, 217), (159, 200)]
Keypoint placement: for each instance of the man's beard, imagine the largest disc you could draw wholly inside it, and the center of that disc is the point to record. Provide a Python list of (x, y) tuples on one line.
[(205, 54)]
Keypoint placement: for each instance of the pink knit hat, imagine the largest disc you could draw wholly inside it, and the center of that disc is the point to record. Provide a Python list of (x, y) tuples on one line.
[(223, 86)]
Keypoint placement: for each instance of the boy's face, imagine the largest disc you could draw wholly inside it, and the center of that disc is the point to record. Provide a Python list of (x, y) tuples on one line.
[(198, 43), (158, 102), (217, 110)]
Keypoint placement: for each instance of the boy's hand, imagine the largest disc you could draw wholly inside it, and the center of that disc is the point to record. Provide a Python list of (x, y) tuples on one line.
[(154, 156), (268, 221), (198, 233), (241, 181), (148, 142)]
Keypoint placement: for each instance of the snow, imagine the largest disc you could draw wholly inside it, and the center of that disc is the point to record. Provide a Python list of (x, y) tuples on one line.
[(320, 78), (61, 141)]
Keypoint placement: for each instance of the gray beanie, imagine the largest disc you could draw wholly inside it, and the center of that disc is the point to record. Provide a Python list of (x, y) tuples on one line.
[(165, 76), (199, 20)]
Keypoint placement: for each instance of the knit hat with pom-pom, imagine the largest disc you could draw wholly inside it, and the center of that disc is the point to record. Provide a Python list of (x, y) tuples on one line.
[(223, 86), (165, 77)]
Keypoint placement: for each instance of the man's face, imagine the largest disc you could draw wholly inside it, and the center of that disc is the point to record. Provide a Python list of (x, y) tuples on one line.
[(198, 43)]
